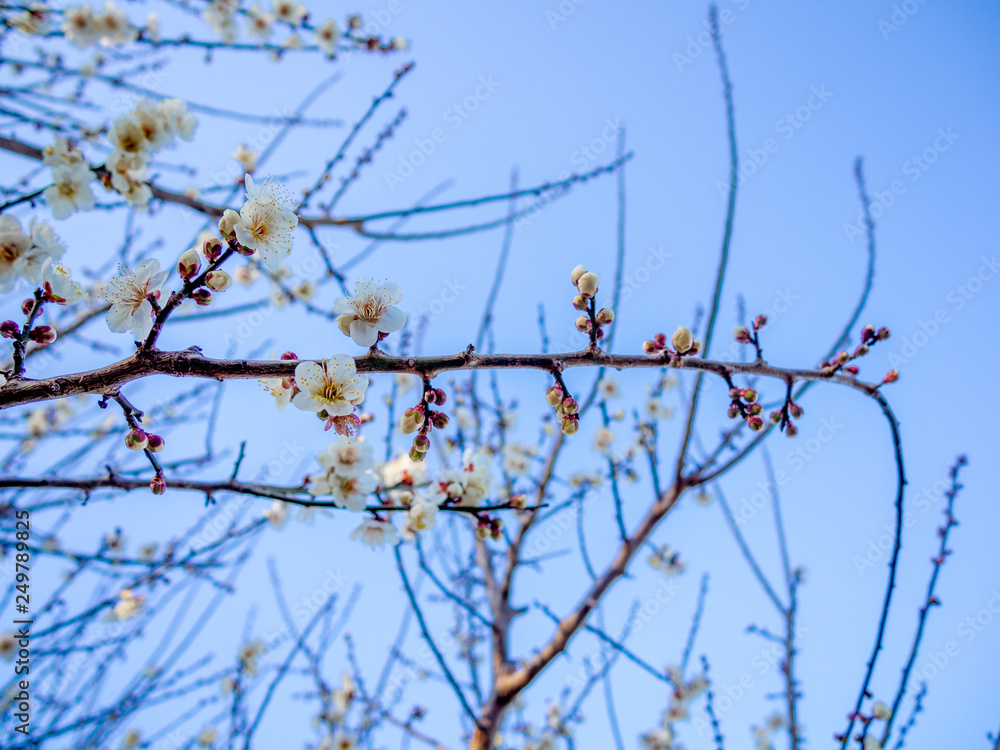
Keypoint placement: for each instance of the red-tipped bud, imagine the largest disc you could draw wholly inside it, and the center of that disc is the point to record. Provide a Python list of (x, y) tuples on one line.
[(202, 296), (554, 396), (756, 424), (442, 397), (430, 396), (155, 443), (843, 358), (791, 430), (795, 410), (775, 416), (218, 281), (734, 393), (883, 333), (289, 355), (212, 249), (891, 377), (749, 395), (579, 302), (43, 334), (570, 424), (519, 501), (587, 284), (755, 409), (650, 347), (136, 440), (759, 322), (570, 406), (867, 334), (605, 316), (861, 350), (412, 420), (421, 443), (733, 411), (583, 324), (9, 329), (576, 273), (439, 420), (851, 369), (158, 485), (189, 264), (742, 335)]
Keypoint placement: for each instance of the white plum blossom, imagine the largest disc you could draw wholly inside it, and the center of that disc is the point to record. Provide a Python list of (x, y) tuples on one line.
[(221, 16), (333, 386), (327, 36), (376, 533), (468, 486), (80, 26), (128, 292), (290, 12), (259, 21), (180, 122), (609, 387), (57, 281), (60, 153), (70, 190), (267, 221), (113, 26), (281, 388), (517, 460), (403, 470), (247, 157), (128, 606), (346, 458), (339, 740), (33, 21), (277, 514), (348, 492), (24, 255), (603, 439), (370, 312), (422, 516)]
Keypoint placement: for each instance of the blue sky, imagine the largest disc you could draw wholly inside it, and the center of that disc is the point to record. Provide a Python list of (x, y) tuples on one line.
[(547, 88)]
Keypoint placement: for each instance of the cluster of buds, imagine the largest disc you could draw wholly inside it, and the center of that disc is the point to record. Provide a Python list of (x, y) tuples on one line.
[(783, 417), (683, 342), (743, 335), (744, 404), (422, 419), (189, 266), (39, 334), (138, 440), (593, 323), (869, 337), (488, 528), (567, 409)]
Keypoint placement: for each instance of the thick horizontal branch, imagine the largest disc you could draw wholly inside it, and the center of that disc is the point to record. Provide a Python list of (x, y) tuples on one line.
[(191, 364)]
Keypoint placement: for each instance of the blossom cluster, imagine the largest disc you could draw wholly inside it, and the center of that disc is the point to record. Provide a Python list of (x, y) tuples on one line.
[(683, 342), (224, 16), (83, 27), (23, 255)]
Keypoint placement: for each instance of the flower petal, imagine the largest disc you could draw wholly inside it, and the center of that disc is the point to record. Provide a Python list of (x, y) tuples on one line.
[(392, 320)]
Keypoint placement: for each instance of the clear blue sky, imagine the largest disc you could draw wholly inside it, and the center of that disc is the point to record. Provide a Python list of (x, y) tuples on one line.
[(531, 86)]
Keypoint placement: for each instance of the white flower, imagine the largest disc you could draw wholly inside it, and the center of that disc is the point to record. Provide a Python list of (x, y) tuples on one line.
[(609, 387), (881, 711), (32, 21), (128, 606), (59, 285), (277, 514), (603, 440), (346, 458), (221, 16), (247, 157), (180, 122), (60, 153), (70, 190), (207, 737), (267, 221), (376, 533), (403, 470), (370, 312), (151, 120), (422, 516), (658, 739), (656, 409), (281, 388), (467, 487), (114, 27), (127, 169), (289, 12), (333, 387), (153, 28), (327, 37), (127, 293), (517, 460), (871, 743), (260, 23), (14, 246), (350, 492), (80, 26)]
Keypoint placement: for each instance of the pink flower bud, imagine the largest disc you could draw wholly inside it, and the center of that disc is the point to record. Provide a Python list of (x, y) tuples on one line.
[(289, 355), (749, 395), (795, 410), (439, 420), (519, 501), (742, 335), (218, 281), (883, 333), (430, 396), (189, 264), (43, 334), (136, 440), (756, 424), (158, 485), (570, 425), (442, 397), (9, 329), (867, 334), (791, 430), (775, 417), (155, 444), (202, 296), (605, 316), (733, 411), (759, 322), (650, 347), (891, 377), (583, 324), (421, 443), (27, 306)]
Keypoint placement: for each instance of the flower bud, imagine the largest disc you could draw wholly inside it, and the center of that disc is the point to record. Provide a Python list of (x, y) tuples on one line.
[(158, 485), (605, 316), (27, 306), (891, 377), (412, 420), (416, 455), (9, 329), (218, 281), (496, 529), (682, 339), (570, 425), (577, 273), (554, 396), (742, 335), (851, 370), (650, 347), (861, 350), (439, 420), (228, 222), (570, 406), (289, 355), (212, 249), (756, 424), (519, 501), (755, 409), (795, 410), (579, 302), (759, 322), (733, 411), (583, 324), (587, 284), (883, 333), (442, 397), (867, 334), (775, 417), (202, 296), (482, 532), (749, 395), (155, 444), (791, 430), (421, 443), (189, 264), (136, 440), (43, 334)]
